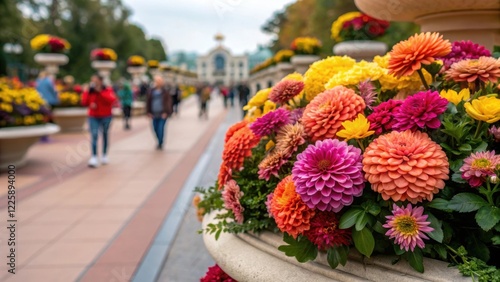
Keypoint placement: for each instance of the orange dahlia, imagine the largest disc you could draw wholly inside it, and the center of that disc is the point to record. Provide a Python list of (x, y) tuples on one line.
[(405, 166), (232, 130), (324, 115), (225, 174), (290, 213), (238, 147), (485, 69), (409, 55)]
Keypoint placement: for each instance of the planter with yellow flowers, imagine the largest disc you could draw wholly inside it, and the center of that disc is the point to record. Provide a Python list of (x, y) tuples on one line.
[(136, 68), (306, 51), (50, 51), (23, 120), (104, 61)]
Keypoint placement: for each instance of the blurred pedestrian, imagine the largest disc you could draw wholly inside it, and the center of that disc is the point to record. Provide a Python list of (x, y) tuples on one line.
[(159, 108), (204, 98), (224, 91), (233, 91), (126, 98), (99, 99), (244, 92), (176, 98), (46, 87)]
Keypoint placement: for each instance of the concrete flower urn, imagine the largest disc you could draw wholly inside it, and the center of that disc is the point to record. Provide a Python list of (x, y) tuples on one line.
[(51, 61), (136, 72), (477, 20), (16, 141), (154, 71), (283, 69), (70, 119), (360, 49), (104, 68), (302, 62), (250, 257)]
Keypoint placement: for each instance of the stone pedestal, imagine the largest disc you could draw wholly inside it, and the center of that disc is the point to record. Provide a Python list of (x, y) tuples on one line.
[(136, 72), (301, 63), (16, 141), (51, 61), (360, 49), (104, 69), (478, 21), (70, 119)]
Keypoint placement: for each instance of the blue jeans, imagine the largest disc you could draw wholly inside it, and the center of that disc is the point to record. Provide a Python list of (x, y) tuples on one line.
[(159, 128), (96, 124)]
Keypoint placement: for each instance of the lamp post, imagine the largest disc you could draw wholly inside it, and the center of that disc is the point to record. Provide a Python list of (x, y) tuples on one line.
[(12, 50)]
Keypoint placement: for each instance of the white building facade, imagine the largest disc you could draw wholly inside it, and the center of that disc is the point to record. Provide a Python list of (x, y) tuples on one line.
[(219, 66)]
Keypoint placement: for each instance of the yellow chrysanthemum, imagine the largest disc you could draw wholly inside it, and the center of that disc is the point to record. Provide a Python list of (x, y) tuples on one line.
[(39, 41), (321, 71), (358, 128), (294, 76), (406, 83), (110, 53), (269, 106), (339, 23), (136, 60), (258, 99), (454, 97), (358, 73), (269, 145), (283, 56), (485, 108)]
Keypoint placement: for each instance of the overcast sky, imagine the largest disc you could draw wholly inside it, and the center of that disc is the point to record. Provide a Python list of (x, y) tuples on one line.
[(190, 25)]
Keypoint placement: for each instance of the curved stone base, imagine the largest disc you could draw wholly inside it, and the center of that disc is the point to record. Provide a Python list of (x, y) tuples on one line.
[(302, 62), (70, 119), (248, 257), (360, 49), (16, 141)]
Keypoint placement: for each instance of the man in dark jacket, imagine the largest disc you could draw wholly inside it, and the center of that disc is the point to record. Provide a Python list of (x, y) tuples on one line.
[(159, 108)]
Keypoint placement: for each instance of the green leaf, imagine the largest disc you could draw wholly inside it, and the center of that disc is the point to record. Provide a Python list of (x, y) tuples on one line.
[(437, 233), (302, 249), (466, 148), (363, 241), (343, 252), (441, 251), (487, 217), (466, 202), (439, 204), (397, 250), (371, 207), (416, 260), (496, 240), (333, 258), (482, 147), (361, 221), (377, 227), (457, 177), (349, 218)]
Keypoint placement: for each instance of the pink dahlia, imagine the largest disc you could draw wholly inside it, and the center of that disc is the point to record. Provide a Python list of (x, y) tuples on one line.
[(463, 50), (296, 115), (325, 232), (478, 166), (271, 164), (270, 122), (407, 227), (328, 175), (495, 132), (269, 199), (231, 196), (286, 90), (382, 118), (420, 110), (216, 274), (367, 92)]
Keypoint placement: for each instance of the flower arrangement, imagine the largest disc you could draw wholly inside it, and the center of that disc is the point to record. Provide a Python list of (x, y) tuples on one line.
[(374, 163), (187, 90), (103, 54), (136, 61), (357, 26), (49, 44), (264, 65), (283, 56), (20, 106), (153, 64), (306, 46), (69, 99)]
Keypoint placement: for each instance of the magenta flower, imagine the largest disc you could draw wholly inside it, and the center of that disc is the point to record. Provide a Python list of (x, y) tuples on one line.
[(270, 122), (463, 50), (216, 274), (407, 227), (285, 90), (231, 196), (478, 166), (382, 118), (269, 198), (328, 175), (325, 232), (495, 132), (296, 115), (420, 110), (367, 92)]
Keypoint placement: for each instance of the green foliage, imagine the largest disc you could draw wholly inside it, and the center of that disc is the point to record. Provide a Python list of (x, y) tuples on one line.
[(466, 202), (363, 241), (301, 248), (337, 255), (474, 267), (416, 260)]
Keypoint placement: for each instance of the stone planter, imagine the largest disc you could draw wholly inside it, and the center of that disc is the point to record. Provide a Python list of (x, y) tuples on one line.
[(247, 257), (302, 62), (284, 69), (136, 73), (477, 20), (360, 49), (51, 61), (16, 141), (104, 69), (70, 119)]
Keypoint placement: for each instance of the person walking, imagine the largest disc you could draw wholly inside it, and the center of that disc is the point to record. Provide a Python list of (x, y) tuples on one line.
[(204, 98), (244, 92), (159, 108), (176, 98), (99, 99), (126, 98), (47, 89)]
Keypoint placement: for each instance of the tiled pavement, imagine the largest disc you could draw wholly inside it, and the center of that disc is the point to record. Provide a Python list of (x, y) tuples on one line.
[(76, 223)]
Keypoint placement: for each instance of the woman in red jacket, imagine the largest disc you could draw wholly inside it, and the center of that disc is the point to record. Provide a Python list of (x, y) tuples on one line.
[(99, 99)]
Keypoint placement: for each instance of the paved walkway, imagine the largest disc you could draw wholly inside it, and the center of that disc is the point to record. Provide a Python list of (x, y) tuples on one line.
[(82, 224)]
